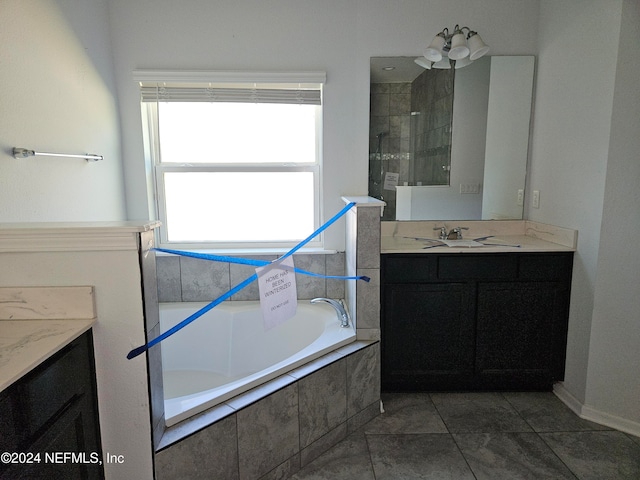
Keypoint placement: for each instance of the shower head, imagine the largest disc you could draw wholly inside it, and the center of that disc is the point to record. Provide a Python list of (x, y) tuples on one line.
[(381, 134)]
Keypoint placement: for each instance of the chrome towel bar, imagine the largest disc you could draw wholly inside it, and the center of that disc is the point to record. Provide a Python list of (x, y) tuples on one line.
[(25, 153)]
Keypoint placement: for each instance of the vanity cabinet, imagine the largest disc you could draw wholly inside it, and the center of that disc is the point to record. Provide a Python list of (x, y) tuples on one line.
[(467, 321), (51, 410)]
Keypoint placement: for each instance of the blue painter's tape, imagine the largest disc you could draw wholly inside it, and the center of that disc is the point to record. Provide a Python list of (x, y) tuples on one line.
[(143, 348), (137, 351)]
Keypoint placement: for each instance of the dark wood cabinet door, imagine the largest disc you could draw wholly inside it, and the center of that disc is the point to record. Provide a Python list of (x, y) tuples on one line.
[(474, 321), (51, 416), (517, 327), (427, 335)]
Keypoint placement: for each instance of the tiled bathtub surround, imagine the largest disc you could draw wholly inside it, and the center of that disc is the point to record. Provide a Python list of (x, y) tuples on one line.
[(274, 430), (185, 279)]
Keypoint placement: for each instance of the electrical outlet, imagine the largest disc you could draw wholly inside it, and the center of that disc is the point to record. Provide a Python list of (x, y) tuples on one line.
[(520, 197), (535, 200)]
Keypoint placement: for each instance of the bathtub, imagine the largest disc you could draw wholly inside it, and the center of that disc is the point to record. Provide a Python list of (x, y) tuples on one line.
[(227, 351)]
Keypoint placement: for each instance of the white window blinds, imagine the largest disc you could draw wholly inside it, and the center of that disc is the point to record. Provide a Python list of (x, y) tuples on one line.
[(243, 87), (241, 95)]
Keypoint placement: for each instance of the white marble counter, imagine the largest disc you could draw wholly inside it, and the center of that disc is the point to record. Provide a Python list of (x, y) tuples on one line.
[(25, 344), (495, 235), (37, 322)]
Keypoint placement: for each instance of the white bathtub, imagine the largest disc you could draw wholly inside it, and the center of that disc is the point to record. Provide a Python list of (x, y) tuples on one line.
[(226, 351)]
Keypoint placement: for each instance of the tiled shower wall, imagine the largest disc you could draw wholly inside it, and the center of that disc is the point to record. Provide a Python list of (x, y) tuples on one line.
[(186, 279), (415, 118), (432, 104), (390, 114)]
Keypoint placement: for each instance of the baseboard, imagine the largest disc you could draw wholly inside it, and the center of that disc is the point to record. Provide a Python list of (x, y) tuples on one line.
[(567, 398), (593, 415)]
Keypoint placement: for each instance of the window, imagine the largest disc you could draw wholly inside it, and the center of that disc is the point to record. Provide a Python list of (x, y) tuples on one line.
[(236, 163)]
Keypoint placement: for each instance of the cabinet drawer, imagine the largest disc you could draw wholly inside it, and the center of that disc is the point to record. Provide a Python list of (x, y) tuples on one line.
[(546, 267), (477, 267), (408, 268)]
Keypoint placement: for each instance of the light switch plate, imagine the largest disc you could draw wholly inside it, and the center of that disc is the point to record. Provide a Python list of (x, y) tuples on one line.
[(535, 200), (469, 188)]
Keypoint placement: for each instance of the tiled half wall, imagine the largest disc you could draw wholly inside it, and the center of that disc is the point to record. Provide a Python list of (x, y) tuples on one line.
[(185, 279), (273, 430)]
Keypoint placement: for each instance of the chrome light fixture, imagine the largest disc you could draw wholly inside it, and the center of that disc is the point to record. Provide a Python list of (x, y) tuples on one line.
[(453, 50)]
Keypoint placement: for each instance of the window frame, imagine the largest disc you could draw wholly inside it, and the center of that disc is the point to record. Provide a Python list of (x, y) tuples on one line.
[(158, 168)]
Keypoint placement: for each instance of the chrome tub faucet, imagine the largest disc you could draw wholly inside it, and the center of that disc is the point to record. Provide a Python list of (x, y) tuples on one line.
[(341, 310)]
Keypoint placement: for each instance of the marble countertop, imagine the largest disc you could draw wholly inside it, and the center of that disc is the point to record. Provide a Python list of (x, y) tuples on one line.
[(25, 344), (37, 322), (497, 236)]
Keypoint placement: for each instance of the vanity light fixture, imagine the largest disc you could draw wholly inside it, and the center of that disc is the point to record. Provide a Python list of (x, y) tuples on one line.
[(456, 50)]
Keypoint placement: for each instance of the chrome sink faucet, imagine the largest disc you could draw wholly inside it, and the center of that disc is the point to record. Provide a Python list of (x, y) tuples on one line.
[(443, 232), (454, 233), (341, 310)]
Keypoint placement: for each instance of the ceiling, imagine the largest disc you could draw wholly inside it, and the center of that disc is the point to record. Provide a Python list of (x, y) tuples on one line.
[(403, 71)]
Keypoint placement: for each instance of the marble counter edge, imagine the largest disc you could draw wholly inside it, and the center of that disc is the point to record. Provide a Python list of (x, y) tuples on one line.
[(33, 345)]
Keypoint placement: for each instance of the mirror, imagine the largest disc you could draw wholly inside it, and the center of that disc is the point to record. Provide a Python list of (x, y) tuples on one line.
[(450, 144)]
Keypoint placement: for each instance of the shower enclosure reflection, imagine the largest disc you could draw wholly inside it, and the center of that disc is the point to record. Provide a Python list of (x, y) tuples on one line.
[(433, 158), (410, 131)]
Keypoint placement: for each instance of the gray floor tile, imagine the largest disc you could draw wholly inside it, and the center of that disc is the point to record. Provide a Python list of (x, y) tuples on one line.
[(407, 413), (544, 412), (610, 455), (478, 436), (482, 412), (417, 457), (348, 460), (634, 438), (510, 456)]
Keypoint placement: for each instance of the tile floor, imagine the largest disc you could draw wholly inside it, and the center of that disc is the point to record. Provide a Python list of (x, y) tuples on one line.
[(478, 436)]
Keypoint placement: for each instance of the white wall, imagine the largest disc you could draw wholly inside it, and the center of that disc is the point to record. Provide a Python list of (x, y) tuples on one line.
[(336, 36), (585, 164), (613, 381), (58, 95), (507, 147)]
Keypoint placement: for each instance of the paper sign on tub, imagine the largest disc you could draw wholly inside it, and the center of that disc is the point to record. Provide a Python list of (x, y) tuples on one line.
[(278, 294)]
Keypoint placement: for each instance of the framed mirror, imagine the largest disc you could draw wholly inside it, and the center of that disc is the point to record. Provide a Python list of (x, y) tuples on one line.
[(450, 144)]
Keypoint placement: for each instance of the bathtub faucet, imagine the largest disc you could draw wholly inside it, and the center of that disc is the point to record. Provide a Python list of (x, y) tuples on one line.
[(341, 310)]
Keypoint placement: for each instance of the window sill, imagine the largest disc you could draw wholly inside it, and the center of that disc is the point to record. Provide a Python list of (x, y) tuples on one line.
[(241, 252)]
